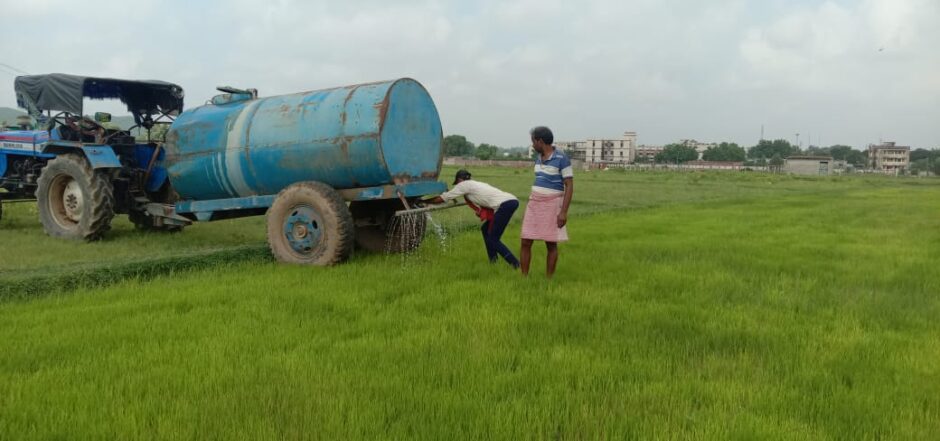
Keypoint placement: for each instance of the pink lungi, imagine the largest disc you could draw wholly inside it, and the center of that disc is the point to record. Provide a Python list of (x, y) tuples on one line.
[(541, 218)]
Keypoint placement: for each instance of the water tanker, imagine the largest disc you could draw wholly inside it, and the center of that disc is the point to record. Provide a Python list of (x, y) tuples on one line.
[(300, 158)]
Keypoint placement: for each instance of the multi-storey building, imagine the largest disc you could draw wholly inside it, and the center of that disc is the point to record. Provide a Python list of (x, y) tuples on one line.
[(888, 157), (647, 153), (699, 147), (602, 151)]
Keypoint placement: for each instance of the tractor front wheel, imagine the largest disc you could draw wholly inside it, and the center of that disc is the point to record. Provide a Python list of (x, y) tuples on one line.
[(309, 224), (74, 200)]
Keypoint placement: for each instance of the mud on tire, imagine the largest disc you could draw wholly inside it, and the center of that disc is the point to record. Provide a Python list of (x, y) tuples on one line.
[(74, 200)]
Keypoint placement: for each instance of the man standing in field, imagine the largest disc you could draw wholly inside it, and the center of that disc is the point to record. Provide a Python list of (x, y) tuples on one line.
[(546, 214)]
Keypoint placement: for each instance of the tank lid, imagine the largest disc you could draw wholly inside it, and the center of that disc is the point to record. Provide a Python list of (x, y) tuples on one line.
[(228, 98)]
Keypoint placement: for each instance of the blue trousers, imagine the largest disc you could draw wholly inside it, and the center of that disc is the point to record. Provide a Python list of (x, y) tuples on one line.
[(493, 233)]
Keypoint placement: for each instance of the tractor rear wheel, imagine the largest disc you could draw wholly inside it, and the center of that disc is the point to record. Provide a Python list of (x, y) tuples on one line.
[(309, 224), (378, 230), (74, 200)]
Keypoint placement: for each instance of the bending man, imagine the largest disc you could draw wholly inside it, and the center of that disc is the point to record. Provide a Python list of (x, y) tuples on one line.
[(493, 206)]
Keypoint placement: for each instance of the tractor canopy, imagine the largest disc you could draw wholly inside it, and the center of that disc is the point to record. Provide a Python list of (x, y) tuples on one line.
[(64, 93)]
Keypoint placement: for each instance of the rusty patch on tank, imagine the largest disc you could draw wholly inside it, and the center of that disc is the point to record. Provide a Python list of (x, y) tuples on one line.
[(382, 108), (401, 178), (352, 90)]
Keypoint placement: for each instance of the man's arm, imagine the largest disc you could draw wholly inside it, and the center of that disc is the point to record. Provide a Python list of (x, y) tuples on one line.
[(569, 191), (458, 190), (433, 201)]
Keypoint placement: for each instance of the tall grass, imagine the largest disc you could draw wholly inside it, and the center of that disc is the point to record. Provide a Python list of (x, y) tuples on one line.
[(757, 308)]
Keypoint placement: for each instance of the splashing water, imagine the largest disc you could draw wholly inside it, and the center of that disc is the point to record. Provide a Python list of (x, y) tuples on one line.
[(439, 230), (404, 236), (406, 232)]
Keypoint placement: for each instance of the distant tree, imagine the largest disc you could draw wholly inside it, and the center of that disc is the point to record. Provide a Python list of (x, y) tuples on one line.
[(776, 163), (919, 154), (726, 151), (841, 152), (920, 165), (818, 151), (457, 145), (767, 149), (857, 158), (157, 133), (486, 151), (676, 153), (925, 160)]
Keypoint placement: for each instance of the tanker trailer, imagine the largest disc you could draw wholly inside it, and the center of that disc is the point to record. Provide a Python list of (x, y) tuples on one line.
[(329, 168)]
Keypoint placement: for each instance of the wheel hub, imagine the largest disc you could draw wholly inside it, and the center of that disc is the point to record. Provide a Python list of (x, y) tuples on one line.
[(73, 201), (302, 229)]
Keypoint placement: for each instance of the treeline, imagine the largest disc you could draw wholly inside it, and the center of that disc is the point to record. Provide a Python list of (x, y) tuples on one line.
[(925, 160), (773, 152), (764, 153), (458, 145)]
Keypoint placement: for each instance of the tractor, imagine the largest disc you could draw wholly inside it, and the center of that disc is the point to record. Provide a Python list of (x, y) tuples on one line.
[(80, 169)]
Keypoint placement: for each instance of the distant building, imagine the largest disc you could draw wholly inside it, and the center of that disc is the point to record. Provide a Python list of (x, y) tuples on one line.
[(602, 151), (699, 147), (574, 149), (809, 165), (647, 153), (840, 166), (888, 157)]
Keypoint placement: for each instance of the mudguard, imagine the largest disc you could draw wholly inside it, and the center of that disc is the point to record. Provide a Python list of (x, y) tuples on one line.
[(99, 156)]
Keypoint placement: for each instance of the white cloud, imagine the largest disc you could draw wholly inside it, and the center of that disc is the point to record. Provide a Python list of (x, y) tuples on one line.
[(666, 68)]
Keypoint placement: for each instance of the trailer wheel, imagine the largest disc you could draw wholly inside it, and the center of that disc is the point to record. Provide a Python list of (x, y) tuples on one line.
[(378, 230), (309, 224), (74, 200)]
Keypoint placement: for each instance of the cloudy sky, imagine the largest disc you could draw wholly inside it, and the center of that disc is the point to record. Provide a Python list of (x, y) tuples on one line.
[(838, 71)]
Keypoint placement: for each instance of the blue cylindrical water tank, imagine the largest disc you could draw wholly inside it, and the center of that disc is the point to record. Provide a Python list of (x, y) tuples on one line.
[(349, 137)]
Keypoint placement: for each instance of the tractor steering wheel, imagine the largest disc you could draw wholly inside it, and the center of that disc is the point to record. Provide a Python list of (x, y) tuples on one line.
[(87, 127), (90, 124)]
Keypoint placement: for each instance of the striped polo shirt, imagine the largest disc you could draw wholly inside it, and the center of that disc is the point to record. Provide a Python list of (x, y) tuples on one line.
[(551, 173)]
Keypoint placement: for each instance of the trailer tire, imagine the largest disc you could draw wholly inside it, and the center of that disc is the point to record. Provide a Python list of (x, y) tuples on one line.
[(309, 224), (74, 200), (379, 231)]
